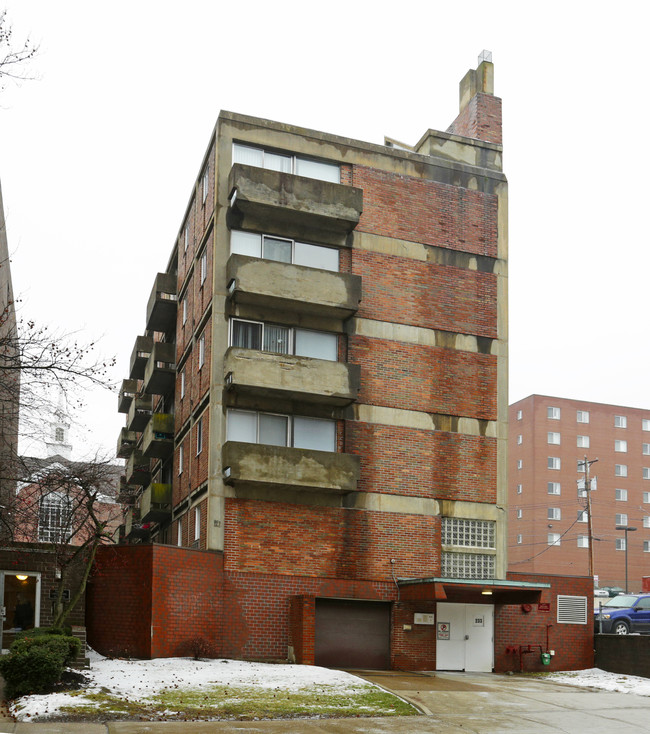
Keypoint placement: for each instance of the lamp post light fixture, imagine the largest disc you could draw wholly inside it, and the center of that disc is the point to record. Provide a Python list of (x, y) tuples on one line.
[(627, 530)]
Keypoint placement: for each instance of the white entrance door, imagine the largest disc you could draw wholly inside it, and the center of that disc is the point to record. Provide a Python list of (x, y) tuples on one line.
[(465, 637)]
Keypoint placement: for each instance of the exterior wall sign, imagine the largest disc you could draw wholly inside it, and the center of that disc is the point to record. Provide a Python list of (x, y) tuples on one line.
[(419, 618), (444, 631), (544, 606)]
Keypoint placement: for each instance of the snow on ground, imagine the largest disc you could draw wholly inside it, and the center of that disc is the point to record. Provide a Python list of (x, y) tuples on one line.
[(141, 679), (596, 678)]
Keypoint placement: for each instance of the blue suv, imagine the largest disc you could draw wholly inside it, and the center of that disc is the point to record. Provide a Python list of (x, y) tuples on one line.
[(623, 614)]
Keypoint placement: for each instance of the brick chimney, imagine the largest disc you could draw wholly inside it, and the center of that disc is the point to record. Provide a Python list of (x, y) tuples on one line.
[(480, 110)]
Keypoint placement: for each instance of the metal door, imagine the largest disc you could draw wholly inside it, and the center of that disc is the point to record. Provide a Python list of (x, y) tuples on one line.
[(465, 637), (20, 594)]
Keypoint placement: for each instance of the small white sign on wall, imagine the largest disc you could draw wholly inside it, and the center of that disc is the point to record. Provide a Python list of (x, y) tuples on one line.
[(419, 618), (479, 621)]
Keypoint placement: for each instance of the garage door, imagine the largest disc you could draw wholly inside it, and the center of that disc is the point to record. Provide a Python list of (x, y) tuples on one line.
[(352, 634)]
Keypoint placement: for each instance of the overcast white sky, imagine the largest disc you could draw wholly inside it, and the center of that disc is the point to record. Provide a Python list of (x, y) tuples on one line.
[(98, 156)]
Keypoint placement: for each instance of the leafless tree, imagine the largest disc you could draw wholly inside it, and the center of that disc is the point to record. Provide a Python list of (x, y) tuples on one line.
[(14, 56)]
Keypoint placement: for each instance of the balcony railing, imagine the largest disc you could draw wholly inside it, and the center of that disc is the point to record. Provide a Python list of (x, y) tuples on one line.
[(156, 503), (126, 443), (158, 436), (139, 413), (160, 371), (286, 467), (161, 308), (284, 376), (133, 525), (139, 356), (272, 284), (138, 470), (128, 391)]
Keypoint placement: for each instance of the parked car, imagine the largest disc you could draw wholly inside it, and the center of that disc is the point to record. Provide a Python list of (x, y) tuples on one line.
[(614, 590), (623, 614), (601, 592)]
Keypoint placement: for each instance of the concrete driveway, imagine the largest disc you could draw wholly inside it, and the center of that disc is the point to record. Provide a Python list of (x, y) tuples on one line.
[(481, 703)]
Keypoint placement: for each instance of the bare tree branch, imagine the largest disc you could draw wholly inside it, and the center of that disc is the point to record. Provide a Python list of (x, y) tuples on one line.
[(14, 56)]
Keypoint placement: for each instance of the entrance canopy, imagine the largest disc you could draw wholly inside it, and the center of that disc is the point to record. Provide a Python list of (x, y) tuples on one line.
[(471, 591)]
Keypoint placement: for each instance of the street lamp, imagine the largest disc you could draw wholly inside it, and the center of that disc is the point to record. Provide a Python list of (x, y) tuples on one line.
[(627, 530)]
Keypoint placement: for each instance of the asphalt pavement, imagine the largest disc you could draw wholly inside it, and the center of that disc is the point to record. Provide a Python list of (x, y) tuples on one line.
[(451, 703)]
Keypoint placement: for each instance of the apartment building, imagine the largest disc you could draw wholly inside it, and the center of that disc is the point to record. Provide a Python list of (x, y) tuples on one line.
[(550, 438), (316, 412)]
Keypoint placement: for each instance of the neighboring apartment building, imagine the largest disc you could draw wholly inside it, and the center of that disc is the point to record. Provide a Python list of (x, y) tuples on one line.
[(316, 413), (548, 525)]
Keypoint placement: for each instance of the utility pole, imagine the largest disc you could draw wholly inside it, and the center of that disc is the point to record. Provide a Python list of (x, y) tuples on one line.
[(587, 464)]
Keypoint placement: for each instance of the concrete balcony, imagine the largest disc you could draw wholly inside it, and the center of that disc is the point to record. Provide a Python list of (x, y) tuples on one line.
[(126, 443), (156, 503), (139, 413), (284, 467), (133, 526), (272, 284), (161, 308), (266, 200), (304, 379), (138, 470), (127, 393), (139, 356), (158, 436), (160, 371), (127, 493)]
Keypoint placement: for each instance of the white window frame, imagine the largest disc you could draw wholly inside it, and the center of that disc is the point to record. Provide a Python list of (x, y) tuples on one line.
[(582, 416), (620, 446), (292, 332), (520, 489), (621, 518), (646, 546), (583, 541), (55, 516), (197, 522), (646, 498), (520, 415), (551, 488), (582, 516), (205, 184), (291, 437), (520, 439), (553, 414), (520, 539), (201, 350), (582, 442), (554, 463), (554, 513), (646, 449), (620, 495), (645, 424), (620, 470), (199, 436), (292, 157), (186, 237), (184, 309), (182, 376), (620, 421), (179, 532), (620, 544), (520, 513), (204, 266), (646, 521), (646, 472), (520, 463), (554, 539), (293, 243), (180, 460), (553, 438)]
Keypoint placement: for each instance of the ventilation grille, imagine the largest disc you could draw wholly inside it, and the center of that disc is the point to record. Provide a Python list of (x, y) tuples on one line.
[(572, 609)]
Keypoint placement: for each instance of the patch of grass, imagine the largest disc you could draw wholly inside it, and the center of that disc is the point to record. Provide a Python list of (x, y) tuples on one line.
[(241, 703)]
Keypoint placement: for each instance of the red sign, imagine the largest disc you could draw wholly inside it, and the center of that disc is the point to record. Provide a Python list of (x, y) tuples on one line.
[(544, 606)]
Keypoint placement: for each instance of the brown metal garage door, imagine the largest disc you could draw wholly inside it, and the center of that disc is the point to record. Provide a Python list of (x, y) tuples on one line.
[(352, 634)]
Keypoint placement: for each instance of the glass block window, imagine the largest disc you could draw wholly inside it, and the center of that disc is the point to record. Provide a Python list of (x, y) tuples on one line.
[(468, 533), (467, 565)]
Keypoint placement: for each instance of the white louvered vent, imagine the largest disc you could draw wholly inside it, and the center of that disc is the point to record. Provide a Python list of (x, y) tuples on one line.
[(572, 609)]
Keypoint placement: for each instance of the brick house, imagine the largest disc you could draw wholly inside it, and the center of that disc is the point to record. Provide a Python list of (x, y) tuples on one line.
[(316, 431)]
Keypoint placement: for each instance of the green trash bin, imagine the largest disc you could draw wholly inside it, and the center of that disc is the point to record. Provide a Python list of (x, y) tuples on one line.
[(546, 658)]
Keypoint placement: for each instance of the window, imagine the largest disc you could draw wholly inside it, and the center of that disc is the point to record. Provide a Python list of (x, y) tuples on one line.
[(582, 416), (520, 439), (646, 498), (520, 514), (197, 522), (184, 309), (520, 489), (283, 339), (285, 162), (620, 421), (520, 463), (179, 533), (646, 449), (621, 495), (554, 513), (582, 516), (646, 521), (182, 383), (572, 609), (646, 546), (205, 184), (180, 460), (620, 446), (457, 565), (582, 492), (553, 539), (284, 250), (54, 518), (583, 541), (199, 436), (553, 462), (520, 415), (553, 413), (201, 350), (468, 533), (553, 488), (59, 435), (621, 519), (646, 472), (580, 466), (645, 424), (520, 539), (620, 544), (553, 438), (620, 470), (583, 442), (204, 266), (186, 237), (281, 430)]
